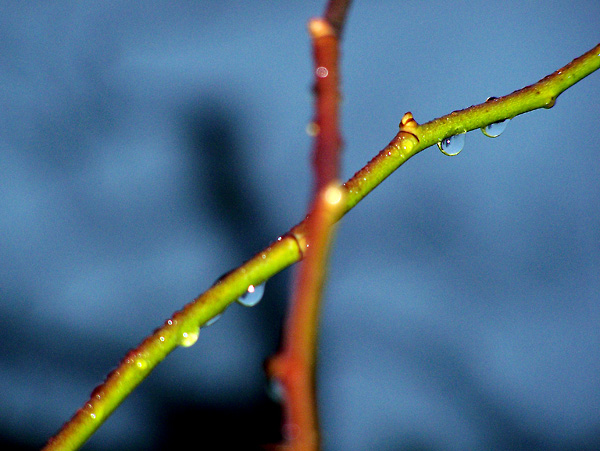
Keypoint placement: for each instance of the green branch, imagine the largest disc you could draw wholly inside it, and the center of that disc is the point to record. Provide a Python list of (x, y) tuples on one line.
[(182, 329), (414, 138)]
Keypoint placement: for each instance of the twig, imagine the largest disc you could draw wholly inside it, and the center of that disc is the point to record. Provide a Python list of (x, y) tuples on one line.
[(336, 15), (328, 142), (288, 249), (294, 366)]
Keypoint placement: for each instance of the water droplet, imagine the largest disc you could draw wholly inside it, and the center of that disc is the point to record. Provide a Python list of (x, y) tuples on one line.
[(97, 393), (550, 102), (213, 320), (494, 130), (141, 364), (453, 145), (313, 129), (91, 411), (253, 296), (322, 72), (189, 338)]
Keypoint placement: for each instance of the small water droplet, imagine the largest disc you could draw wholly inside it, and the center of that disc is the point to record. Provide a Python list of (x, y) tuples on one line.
[(141, 364), (453, 145), (494, 130), (213, 320), (253, 296), (97, 393), (189, 338), (91, 412), (313, 129), (322, 72)]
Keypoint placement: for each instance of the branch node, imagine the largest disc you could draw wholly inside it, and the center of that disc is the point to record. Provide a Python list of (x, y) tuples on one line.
[(320, 28), (408, 125)]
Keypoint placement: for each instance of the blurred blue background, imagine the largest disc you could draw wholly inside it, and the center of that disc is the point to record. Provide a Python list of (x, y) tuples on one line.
[(145, 149)]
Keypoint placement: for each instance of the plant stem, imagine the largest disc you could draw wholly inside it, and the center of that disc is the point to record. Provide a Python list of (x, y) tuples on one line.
[(294, 366), (414, 138), (328, 142), (287, 250), (336, 15)]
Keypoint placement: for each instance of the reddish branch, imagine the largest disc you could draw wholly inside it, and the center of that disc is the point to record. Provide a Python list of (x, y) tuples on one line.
[(336, 15), (294, 366), (326, 159)]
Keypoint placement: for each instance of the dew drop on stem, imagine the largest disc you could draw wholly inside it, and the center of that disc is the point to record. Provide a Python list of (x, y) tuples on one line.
[(252, 296), (321, 72), (141, 363), (452, 145), (494, 130), (313, 129), (188, 338)]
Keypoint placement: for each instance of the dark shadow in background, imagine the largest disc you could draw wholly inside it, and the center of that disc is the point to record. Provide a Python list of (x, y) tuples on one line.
[(218, 183)]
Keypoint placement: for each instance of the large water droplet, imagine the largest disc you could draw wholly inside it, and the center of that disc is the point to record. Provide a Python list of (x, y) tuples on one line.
[(189, 338), (494, 130), (252, 296), (453, 145)]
